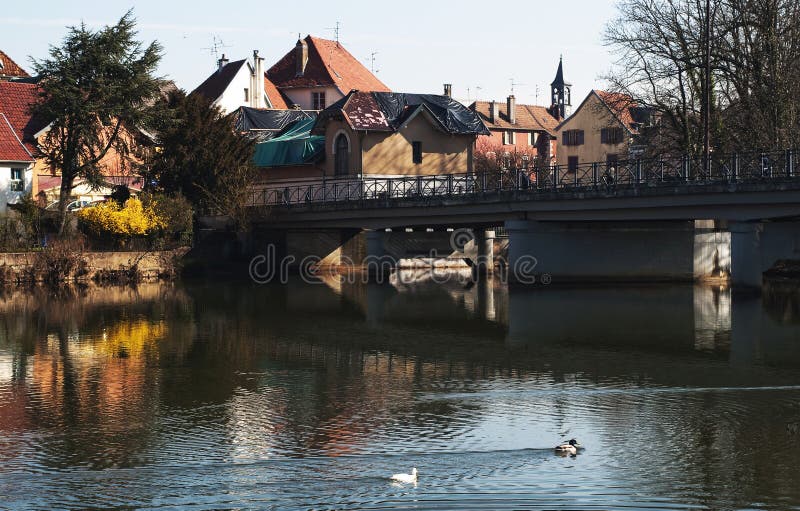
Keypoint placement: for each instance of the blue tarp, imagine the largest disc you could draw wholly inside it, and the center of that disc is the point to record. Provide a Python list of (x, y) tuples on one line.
[(295, 147)]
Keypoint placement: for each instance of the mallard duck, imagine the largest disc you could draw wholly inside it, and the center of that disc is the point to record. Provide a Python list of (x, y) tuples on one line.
[(570, 447), (406, 478)]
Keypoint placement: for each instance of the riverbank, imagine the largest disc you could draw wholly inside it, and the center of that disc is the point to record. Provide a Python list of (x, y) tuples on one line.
[(53, 265)]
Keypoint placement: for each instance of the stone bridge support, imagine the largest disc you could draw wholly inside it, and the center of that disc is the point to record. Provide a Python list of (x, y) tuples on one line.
[(757, 246), (616, 251)]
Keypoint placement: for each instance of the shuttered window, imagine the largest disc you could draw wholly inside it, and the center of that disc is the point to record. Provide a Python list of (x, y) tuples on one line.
[(611, 135), (572, 137)]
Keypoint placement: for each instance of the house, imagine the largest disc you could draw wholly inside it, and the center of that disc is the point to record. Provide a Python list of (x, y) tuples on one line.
[(604, 128), (17, 142), (240, 83), (9, 70), (319, 72), (314, 74), (387, 134), (526, 129), (23, 171)]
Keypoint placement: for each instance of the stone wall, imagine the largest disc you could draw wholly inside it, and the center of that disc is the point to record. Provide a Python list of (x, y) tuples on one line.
[(18, 266)]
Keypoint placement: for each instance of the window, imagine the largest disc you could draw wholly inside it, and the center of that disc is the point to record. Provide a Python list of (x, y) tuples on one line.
[(17, 184), (416, 152), (342, 159), (572, 163), (509, 138), (318, 100), (611, 135), (246, 94), (532, 137), (572, 137)]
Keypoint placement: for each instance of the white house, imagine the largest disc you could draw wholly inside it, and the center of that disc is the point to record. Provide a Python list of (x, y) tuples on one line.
[(240, 83), (16, 166)]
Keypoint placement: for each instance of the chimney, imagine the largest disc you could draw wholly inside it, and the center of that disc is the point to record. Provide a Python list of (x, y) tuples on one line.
[(448, 90), (222, 63), (493, 112), (511, 106), (301, 57), (257, 88)]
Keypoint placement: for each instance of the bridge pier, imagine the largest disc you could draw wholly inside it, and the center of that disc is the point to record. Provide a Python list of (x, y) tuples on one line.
[(615, 251), (484, 243), (757, 246)]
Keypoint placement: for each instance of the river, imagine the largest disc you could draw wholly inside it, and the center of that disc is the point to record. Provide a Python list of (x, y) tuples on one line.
[(208, 396)]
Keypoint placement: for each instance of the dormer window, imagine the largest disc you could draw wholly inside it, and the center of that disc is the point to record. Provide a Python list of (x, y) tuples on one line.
[(318, 100)]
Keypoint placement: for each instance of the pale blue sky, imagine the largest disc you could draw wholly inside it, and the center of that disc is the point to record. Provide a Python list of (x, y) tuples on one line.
[(475, 45)]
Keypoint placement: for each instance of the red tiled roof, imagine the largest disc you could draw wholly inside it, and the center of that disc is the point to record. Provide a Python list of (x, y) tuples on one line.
[(10, 68), (620, 106), (15, 101), (329, 64), (11, 148), (528, 117), (276, 97)]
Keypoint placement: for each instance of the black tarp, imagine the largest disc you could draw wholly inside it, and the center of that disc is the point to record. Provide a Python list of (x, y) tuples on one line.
[(454, 117), (248, 119)]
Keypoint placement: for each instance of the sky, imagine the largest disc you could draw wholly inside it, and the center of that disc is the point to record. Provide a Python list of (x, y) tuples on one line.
[(417, 45)]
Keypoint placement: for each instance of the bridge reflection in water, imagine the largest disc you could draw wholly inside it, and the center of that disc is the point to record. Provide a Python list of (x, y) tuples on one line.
[(279, 394)]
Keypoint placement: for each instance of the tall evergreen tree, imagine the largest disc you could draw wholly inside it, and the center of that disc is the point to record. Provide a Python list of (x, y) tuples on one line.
[(93, 87), (201, 157)]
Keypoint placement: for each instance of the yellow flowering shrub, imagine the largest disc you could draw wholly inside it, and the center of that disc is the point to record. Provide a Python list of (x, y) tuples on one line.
[(132, 219)]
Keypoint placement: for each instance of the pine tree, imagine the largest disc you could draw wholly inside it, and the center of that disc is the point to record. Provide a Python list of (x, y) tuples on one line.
[(94, 87)]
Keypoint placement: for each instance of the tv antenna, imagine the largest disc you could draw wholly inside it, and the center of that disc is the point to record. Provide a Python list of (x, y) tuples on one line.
[(513, 84), (335, 32), (216, 46), (372, 62), (477, 88)]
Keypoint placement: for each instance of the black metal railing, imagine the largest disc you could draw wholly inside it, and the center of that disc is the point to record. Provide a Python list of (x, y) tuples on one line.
[(662, 172)]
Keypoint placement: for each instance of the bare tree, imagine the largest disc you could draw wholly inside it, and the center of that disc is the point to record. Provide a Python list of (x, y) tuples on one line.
[(754, 63)]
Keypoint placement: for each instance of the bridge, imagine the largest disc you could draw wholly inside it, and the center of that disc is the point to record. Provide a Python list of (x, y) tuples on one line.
[(666, 218)]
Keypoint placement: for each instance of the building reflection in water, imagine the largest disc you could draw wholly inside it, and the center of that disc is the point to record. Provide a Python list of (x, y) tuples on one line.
[(217, 373)]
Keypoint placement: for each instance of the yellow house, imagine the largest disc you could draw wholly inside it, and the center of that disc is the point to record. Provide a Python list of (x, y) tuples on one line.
[(604, 128), (387, 134)]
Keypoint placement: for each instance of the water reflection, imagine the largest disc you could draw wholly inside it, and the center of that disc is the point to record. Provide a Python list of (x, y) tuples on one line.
[(304, 396)]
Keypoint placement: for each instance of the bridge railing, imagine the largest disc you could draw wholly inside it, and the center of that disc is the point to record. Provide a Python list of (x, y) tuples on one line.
[(608, 176)]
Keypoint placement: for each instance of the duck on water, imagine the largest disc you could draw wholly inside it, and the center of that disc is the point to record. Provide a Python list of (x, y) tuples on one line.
[(570, 447)]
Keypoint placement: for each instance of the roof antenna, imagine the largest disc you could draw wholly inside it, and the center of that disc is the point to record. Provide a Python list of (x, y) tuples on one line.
[(216, 46), (336, 32), (372, 62), (513, 83)]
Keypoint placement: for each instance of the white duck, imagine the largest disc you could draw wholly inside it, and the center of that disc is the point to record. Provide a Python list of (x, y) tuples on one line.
[(570, 447), (406, 478)]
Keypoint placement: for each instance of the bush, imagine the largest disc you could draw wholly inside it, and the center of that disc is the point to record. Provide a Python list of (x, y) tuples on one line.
[(155, 221), (130, 220), (176, 215)]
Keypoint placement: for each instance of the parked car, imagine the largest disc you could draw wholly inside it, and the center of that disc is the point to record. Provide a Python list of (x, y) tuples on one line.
[(74, 205)]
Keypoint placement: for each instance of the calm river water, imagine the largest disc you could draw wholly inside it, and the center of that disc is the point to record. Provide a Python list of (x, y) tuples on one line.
[(308, 396)]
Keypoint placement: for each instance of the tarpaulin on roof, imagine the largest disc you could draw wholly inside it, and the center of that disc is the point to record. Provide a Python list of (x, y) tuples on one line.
[(453, 116), (277, 120), (296, 146)]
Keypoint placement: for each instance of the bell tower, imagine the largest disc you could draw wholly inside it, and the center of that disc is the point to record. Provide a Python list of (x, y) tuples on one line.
[(560, 94)]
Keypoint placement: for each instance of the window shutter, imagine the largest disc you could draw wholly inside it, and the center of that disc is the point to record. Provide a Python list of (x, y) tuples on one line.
[(580, 137), (564, 138)]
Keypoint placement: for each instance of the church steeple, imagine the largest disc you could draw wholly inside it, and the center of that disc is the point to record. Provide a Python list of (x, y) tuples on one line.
[(561, 101)]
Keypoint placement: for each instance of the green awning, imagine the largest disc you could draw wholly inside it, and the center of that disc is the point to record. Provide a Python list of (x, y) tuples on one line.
[(295, 147)]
